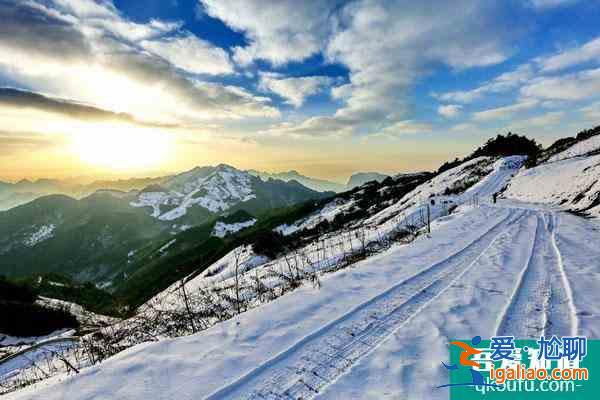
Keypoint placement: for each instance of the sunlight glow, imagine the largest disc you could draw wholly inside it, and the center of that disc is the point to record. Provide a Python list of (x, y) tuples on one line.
[(121, 147)]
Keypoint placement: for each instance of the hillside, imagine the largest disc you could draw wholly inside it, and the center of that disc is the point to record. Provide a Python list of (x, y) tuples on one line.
[(315, 260), (320, 185), (568, 179), (360, 178), (269, 306), (86, 239), (24, 191)]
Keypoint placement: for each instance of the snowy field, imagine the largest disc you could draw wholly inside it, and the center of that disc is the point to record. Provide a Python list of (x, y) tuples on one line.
[(571, 183), (378, 329), (381, 327)]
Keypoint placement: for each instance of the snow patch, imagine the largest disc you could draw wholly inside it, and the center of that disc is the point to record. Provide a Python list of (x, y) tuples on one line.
[(222, 229), (327, 213), (578, 149), (165, 247), (43, 233)]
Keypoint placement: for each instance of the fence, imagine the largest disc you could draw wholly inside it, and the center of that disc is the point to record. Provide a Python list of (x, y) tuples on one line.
[(183, 312)]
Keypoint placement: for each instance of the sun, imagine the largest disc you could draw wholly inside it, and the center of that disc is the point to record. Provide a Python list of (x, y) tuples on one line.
[(121, 147)]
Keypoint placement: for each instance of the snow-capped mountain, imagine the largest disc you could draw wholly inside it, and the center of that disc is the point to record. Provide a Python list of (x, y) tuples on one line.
[(215, 189), (207, 191)]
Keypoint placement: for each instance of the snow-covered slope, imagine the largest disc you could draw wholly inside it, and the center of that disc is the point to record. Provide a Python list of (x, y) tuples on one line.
[(242, 258), (579, 149), (571, 183), (44, 232), (505, 268), (214, 188), (85, 317), (380, 329), (327, 213), (489, 174), (223, 229), (477, 178)]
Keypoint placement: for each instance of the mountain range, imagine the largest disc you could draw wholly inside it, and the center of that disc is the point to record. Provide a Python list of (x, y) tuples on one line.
[(95, 238), (319, 185), (24, 191)]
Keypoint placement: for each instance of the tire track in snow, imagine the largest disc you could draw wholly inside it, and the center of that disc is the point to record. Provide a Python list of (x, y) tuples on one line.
[(541, 303), (316, 361), (562, 307)]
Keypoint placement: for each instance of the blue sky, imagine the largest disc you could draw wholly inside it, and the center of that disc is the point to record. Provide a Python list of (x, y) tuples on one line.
[(327, 87)]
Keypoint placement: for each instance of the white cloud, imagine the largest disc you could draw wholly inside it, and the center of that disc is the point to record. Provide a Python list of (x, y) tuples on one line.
[(449, 110), (548, 122), (295, 89), (547, 4), (548, 119), (406, 127), (85, 51), (575, 86), (320, 126), (386, 46), (592, 111), (504, 112), (588, 52), (502, 83), (279, 31), (191, 54), (464, 127)]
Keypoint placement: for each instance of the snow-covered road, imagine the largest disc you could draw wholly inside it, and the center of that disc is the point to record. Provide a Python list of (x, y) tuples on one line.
[(379, 329)]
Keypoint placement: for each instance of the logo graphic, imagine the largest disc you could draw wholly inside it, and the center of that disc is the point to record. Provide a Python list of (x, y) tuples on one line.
[(468, 351), (503, 367)]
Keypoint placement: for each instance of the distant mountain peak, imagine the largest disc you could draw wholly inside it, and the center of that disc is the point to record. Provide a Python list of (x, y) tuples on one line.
[(360, 178), (227, 167), (209, 191), (320, 185)]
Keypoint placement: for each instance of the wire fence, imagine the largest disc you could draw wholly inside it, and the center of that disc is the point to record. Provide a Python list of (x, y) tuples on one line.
[(182, 311)]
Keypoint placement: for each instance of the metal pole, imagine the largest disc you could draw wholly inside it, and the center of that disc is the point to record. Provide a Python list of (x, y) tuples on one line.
[(428, 219)]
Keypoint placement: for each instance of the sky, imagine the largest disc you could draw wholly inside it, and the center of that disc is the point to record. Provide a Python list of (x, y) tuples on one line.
[(325, 87)]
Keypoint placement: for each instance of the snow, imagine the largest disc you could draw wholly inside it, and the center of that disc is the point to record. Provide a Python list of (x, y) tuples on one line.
[(243, 256), (6, 340), (382, 328), (166, 246), (328, 213), (85, 317), (339, 245), (151, 199), (43, 233), (571, 183), (578, 149), (222, 229), (216, 189)]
